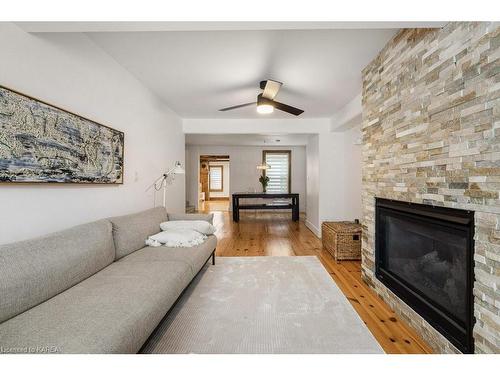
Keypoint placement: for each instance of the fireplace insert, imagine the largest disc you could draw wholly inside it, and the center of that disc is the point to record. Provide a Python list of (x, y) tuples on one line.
[(424, 254)]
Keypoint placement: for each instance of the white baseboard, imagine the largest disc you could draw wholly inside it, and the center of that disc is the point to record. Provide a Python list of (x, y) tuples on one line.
[(313, 229)]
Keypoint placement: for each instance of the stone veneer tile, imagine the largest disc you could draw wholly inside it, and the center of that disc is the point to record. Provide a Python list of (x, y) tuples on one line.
[(431, 134)]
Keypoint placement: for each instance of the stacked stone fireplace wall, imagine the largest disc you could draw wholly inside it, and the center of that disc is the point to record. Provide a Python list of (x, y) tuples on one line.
[(431, 134)]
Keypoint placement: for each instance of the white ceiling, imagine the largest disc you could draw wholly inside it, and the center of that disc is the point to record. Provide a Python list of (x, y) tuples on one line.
[(247, 139), (198, 72)]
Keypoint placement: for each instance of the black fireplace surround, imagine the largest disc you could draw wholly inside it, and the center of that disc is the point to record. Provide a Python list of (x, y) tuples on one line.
[(424, 254)]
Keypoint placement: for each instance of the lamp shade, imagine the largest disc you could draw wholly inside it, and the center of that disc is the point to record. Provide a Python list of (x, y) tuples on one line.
[(178, 168), (263, 166)]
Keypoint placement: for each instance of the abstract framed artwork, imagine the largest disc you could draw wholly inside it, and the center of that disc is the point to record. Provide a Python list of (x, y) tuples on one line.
[(42, 143)]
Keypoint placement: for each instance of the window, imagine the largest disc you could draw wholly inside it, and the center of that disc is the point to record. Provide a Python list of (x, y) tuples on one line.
[(216, 177), (279, 171)]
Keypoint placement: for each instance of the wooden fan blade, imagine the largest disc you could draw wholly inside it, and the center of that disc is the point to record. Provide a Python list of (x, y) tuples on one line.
[(237, 106), (271, 89), (287, 108)]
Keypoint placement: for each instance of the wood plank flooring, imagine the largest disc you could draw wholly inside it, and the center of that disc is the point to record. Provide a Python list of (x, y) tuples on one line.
[(274, 234), (209, 206)]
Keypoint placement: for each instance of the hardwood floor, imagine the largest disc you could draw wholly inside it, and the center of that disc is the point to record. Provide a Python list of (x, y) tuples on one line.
[(274, 234), (209, 206)]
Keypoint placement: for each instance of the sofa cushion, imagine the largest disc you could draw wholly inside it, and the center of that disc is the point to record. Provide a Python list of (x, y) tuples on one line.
[(33, 271), (205, 217), (131, 231), (195, 256), (113, 311), (201, 226)]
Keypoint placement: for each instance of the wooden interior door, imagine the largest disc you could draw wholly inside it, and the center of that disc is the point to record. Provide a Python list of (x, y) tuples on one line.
[(204, 178), (205, 171)]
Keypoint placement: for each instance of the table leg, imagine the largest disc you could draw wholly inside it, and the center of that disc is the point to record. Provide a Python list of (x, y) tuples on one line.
[(295, 209), (236, 209)]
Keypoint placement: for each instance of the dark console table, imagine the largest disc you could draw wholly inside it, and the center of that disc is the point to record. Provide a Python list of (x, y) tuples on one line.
[(293, 205)]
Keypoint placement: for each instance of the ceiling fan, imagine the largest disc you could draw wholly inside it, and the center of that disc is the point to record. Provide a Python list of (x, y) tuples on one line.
[(265, 101)]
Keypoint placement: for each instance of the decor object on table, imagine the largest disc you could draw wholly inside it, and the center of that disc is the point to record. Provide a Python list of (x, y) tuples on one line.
[(42, 143), (342, 239), (264, 180), (163, 180)]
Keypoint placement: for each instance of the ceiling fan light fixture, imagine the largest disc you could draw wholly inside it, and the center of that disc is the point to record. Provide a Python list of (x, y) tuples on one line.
[(265, 101), (265, 109)]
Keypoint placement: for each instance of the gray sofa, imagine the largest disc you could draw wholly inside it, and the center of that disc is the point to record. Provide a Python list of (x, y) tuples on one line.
[(94, 288)]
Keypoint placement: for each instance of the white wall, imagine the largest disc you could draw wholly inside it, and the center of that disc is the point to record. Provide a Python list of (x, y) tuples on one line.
[(333, 178), (313, 181), (70, 71), (260, 126), (353, 175), (348, 116), (244, 173), (226, 175)]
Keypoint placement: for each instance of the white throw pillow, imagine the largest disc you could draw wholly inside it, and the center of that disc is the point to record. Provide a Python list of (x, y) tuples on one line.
[(176, 238), (201, 226)]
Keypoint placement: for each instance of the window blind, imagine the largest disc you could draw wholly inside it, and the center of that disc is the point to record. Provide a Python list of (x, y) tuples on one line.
[(216, 178), (279, 171)]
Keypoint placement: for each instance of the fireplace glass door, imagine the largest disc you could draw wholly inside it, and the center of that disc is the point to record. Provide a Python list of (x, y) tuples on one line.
[(424, 255)]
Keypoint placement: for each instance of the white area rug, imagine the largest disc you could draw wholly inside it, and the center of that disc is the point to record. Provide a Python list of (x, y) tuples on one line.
[(263, 305)]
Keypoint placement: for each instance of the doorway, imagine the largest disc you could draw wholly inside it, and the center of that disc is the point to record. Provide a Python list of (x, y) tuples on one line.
[(214, 179)]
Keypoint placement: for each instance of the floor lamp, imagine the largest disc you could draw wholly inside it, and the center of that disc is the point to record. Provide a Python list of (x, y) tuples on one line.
[(161, 182)]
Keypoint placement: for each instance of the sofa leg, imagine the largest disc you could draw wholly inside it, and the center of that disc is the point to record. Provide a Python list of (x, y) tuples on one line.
[(213, 258)]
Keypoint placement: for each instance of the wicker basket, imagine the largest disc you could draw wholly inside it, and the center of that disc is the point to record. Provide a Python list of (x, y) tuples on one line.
[(342, 239)]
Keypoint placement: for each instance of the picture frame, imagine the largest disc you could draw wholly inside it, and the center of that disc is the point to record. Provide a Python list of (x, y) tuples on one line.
[(44, 143)]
